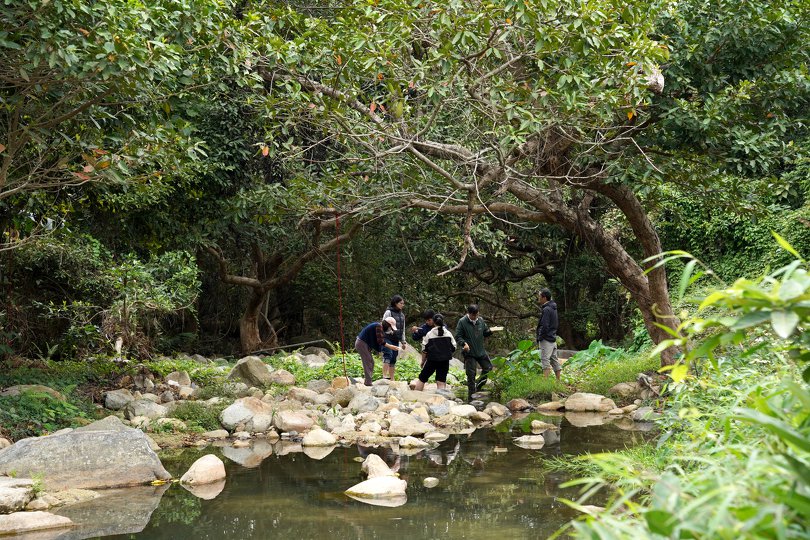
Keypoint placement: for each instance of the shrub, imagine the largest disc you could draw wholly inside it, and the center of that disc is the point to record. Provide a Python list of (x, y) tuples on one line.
[(36, 413), (199, 415)]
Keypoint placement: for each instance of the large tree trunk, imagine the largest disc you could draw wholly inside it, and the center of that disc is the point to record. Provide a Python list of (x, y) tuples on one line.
[(249, 335)]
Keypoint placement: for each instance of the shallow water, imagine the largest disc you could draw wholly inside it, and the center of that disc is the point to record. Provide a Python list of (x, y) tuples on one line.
[(488, 489)]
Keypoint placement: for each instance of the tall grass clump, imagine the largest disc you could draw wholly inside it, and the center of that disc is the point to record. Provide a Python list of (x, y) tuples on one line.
[(599, 367)]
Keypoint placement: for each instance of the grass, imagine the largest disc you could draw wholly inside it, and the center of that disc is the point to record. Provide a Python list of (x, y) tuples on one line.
[(599, 377), (199, 415), (533, 386)]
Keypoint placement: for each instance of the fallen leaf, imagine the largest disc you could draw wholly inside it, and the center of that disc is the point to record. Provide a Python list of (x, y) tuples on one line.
[(265, 150), (2, 147)]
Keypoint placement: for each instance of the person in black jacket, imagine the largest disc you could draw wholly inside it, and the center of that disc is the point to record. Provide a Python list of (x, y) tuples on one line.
[(547, 334), (438, 347)]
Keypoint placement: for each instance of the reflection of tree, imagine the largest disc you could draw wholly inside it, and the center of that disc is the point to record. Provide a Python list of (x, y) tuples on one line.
[(177, 506)]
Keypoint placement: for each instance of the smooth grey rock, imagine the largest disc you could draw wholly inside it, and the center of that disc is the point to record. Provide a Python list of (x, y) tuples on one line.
[(645, 414), (293, 421), (216, 434), (404, 425), (586, 402), (85, 459), (144, 407), (380, 487), (318, 385), (314, 361), (243, 410), (361, 403), (118, 399), (304, 395), (24, 522), (15, 493), (518, 405), (252, 371)]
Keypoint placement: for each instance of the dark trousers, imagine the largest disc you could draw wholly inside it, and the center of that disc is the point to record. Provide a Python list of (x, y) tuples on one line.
[(471, 364)]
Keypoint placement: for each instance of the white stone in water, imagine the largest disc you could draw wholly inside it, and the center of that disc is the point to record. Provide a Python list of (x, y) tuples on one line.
[(412, 442), (380, 487), (430, 482), (374, 466), (436, 436), (532, 442), (318, 437), (206, 470)]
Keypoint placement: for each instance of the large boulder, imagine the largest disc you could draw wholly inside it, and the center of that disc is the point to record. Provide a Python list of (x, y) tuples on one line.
[(206, 470), (15, 493), (585, 402), (24, 522), (252, 371), (85, 459)]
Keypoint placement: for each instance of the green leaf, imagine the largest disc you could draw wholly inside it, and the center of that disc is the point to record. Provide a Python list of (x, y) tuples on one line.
[(786, 246), (679, 372), (751, 319), (687, 273), (660, 522), (784, 322)]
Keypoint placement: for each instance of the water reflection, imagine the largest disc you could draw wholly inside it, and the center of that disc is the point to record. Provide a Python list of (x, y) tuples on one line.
[(488, 488)]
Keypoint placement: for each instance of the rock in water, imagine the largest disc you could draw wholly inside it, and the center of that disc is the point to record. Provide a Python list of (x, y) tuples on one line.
[(206, 470), (85, 459)]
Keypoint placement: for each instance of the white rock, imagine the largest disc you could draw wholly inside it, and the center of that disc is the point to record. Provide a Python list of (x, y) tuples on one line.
[(206, 470), (464, 411), (430, 482), (533, 442), (374, 467), (412, 442), (380, 487), (318, 437), (585, 402)]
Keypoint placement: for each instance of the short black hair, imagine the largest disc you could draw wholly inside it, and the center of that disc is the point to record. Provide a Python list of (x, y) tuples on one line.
[(472, 309), (545, 293), (396, 299), (428, 314)]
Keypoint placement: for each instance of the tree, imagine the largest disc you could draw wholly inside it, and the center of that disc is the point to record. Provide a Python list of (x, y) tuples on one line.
[(84, 90), (529, 112)]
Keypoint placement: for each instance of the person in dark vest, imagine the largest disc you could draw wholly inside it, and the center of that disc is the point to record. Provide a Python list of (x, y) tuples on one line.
[(372, 338), (397, 337), (438, 347), (547, 334), (470, 333)]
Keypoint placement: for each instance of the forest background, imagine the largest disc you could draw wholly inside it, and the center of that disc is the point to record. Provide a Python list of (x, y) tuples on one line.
[(179, 176)]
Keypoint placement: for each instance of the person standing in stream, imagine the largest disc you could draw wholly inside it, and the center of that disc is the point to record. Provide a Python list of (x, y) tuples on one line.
[(470, 333), (397, 338), (372, 338), (547, 334)]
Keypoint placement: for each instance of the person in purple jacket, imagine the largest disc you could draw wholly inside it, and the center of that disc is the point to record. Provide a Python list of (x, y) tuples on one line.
[(372, 338)]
